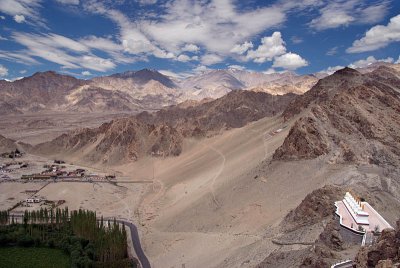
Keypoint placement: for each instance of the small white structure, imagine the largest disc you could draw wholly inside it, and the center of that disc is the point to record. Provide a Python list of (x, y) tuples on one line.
[(37, 200), (30, 200), (356, 209)]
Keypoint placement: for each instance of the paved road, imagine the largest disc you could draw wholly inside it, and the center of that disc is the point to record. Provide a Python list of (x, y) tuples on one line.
[(144, 261)]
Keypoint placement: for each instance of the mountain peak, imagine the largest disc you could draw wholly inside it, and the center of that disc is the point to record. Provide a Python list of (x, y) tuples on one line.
[(346, 71), (145, 75)]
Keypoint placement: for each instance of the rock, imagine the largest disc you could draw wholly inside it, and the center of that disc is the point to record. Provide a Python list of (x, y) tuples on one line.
[(384, 264)]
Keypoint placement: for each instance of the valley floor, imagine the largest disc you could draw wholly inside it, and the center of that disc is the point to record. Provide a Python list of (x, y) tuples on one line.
[(218, 204)]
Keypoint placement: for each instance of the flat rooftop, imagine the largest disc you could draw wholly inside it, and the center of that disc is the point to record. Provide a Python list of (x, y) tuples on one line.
[(375, 219)]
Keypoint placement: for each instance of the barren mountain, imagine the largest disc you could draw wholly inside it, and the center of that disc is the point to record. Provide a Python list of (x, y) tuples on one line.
[(121, 139), (217, 83), (162, 133), (148, 87), (349, 116), (211, 84), (37, 92), (7, 145)]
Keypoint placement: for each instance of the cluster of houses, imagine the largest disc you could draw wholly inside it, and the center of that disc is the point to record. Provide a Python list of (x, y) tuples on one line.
[(57, 171), (12, 154), (10, 167)]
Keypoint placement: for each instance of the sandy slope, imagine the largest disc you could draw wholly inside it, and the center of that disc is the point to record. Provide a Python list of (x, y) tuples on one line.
[(214, 205)]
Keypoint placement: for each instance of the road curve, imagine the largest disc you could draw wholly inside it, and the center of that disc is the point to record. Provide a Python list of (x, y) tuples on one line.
[(144, 261)]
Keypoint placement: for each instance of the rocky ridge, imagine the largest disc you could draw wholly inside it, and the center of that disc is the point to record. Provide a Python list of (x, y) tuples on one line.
[(348, 117)]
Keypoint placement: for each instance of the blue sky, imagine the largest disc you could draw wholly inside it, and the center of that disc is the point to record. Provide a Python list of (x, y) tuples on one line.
[(88, 38)]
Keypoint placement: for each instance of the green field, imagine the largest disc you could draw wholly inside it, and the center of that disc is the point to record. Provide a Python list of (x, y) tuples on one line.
[(18, 257)]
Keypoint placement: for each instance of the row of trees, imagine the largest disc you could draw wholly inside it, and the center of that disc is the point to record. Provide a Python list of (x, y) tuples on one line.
[(90, 242)]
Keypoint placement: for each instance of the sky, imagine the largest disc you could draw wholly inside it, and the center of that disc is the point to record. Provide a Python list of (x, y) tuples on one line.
[(87, 38)]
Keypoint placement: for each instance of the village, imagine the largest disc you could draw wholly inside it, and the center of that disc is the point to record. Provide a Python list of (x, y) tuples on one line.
[(17, 166)]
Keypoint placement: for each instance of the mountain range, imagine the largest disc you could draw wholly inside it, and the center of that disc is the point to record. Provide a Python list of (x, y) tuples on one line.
[(162, 133), (136, 90)]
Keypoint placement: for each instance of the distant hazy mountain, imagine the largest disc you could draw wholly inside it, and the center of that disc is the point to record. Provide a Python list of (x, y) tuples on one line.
[(216, 83)]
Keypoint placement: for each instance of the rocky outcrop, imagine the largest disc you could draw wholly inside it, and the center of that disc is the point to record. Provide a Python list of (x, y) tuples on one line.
[(349, 117), (315, 207), (383, 253)]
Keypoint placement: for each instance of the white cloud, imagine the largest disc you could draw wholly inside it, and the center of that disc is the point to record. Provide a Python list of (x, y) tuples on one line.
[(200, 69), (190, 48), (237, 67), (338, 13), (20, 57), (270, 47), (358, 64), (270, 71), (243, 48), (332, 51), (147, 2), (398, 61), (3, 71), (186, 58), (216, 26), (61, 50), (2, 17), (21, 10), (22, 72), (68, 2), (3, 38), (368, 61), (172, 74), (289, 61), (296, 39), (331, 69), (19, 18), (378, 37), (210, 59), (86, 73)]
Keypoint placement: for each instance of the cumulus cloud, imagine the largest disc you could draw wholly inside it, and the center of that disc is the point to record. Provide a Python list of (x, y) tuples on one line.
[(338, 13), (243, 48), (331, 69), (190, 48), (210, 59), (289, 61), (368, 61), (186, 25), (86, 73), (3, 71), (19, 18), (186, 58), (270, 47), (200, 69), (357, 64), (378, 37)]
